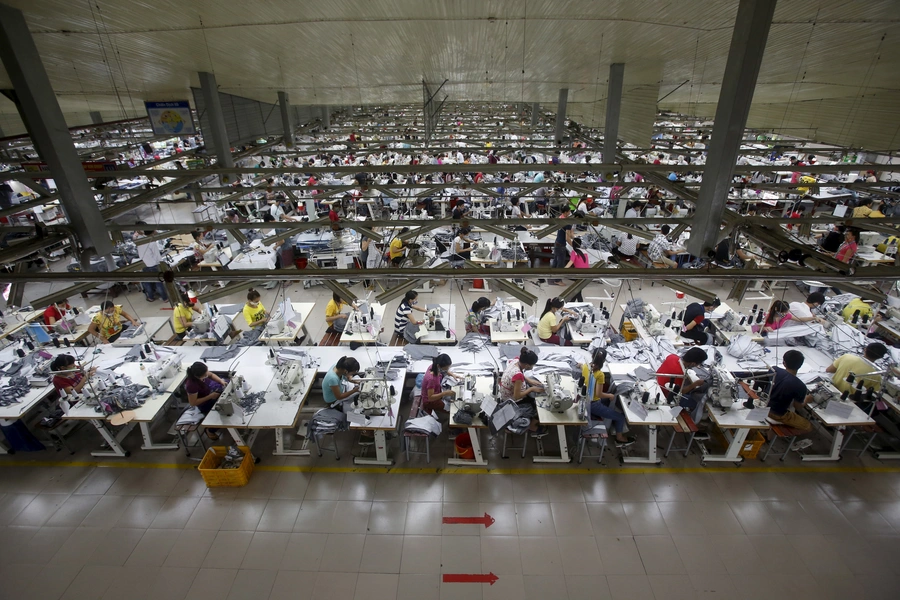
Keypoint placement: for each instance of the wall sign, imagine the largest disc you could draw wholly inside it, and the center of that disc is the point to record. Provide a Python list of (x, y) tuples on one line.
[(171, 118)]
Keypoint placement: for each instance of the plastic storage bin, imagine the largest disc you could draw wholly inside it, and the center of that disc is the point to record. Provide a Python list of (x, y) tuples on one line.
[(225, 477)]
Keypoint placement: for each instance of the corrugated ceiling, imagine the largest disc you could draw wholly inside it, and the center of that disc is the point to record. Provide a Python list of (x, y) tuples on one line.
[(823, 58)]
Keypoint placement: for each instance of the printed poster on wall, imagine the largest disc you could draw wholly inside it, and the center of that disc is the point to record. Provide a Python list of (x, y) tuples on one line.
[(171, 118)]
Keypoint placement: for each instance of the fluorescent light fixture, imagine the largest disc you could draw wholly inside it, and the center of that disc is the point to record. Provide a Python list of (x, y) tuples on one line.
[(397, 291), (342, 291)]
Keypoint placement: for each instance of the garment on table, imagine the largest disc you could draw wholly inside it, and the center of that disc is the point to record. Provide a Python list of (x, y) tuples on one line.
[(219, 353), (511, 375), (181, 311), (851, 363), (786, 389), (109, 325), (861, 212), (254, 313), (800, 310), (546, 325), (401, 318)]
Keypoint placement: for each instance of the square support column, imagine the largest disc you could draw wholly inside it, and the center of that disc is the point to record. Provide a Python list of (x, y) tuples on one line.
[(96, 119), (286, 121), (535, 114), (748, 44), (613, 110), (561, 115), (39, 109), (218, 134)]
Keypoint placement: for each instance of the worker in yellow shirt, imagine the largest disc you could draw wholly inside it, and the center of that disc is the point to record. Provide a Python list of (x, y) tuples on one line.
[(397, 250), (183, 316), (859, 366)]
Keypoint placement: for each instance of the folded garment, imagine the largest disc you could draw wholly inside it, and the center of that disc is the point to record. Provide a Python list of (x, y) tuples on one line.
[(219, 353)]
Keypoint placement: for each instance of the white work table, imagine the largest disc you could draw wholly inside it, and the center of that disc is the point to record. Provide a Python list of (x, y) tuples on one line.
[(448, 320), (143, 416), (560, 420), (837, 423), (380, 425), (657, 416), (368, 337), (735, 418), (504, 337), (485, 386), (152, 327), (293, 327)]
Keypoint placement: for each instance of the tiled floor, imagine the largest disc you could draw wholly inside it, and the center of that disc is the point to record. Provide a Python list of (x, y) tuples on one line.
[(84, 532)]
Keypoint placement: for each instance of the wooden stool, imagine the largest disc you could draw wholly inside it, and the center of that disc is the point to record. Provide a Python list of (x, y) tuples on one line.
[(684, 424)]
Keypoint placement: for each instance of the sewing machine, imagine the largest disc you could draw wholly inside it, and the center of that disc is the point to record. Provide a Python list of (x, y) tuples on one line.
[(291, 378), (473, 390), (360, 320), (510, 320), (202, 323), (592, 320), (229, 397), (723, 388), (649, 394), (374, 395), (556, 397), (481, 252), (434, 319), (655, 325), (163, 369), (824, 392)]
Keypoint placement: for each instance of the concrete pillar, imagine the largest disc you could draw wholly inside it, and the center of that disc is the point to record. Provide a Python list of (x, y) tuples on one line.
[(535, 114), (37, 105), (326, 116), (561, 114), (95, 117), (748, 43), (286, 122), (613, 110), (217, 134)]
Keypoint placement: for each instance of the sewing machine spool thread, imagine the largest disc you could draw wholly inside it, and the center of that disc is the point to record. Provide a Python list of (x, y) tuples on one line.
[(56, 342), (645, 397)]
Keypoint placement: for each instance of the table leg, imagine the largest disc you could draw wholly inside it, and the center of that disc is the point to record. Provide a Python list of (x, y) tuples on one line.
[(381, 457), (479, 460), (239, 440), (115, 448), (652, 458), (836, 442), (282, 450), (563, 449), (148, 441), (733, 452)]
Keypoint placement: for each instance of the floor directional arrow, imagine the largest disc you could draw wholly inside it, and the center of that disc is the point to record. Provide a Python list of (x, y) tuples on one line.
[(487, 520), (462, 578)]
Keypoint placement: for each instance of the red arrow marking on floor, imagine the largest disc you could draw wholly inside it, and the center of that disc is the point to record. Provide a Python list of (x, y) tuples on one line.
[(487, 520), (460, 578)]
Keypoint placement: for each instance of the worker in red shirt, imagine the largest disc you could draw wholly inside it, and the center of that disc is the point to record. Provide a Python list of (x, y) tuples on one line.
[(692, 393), (55, 312)]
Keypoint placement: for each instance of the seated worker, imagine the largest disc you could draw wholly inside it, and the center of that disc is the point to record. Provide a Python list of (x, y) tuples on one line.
[(858, 365), (863, 208), (726, 258), (779, 314), (199, 247), (107, 324), (549, 326), (516, 386), (254, 312), (203, 388), (403, 315), (788, 391), (626, 246), (334, 317), (691, 395), (183, 316), (459, 211), (433, 392), (69, 376), (397, 250), (660, 250), (55, 312), (857, 307), (333, 392), (802, 311), (474, 321), (603, 403), (462, 245), (696, 326), (847, 250), (831, 241)]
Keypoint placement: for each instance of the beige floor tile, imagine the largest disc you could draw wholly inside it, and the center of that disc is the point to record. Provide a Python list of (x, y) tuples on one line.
[(676, 587), (713, 585), (91, 582), (738, 553), (153, 548), (387, 518), (39, 510), (504, 515), (212, 584), (244, 514), (642, 518), (539, 587), (251, 585), (564, 488), (421, 554), (535, 519), (426, 488), (210, 513), (698, 554), (358, 487), (79, 546), (659, 555), (820, 557), (460, 488), (172, 582), (293, 585), (291, 486), (828, 518), (343, 553), (350, 517), (540, 555), (99, 481), (598, 489), (530, 488), (381, 554), (509, 585), (462, 509), (620, 555), (587, 587), (460, 554), (629, 587), (314, 517), (334, 585), (107, 511), (424, 518), (495, 489), (304, 551), (228, 550), (377, 586), (419, 586), (755, 518), (279, 515), (51, 582), (191, 548), (43, 545), (73, 511), (130, 582), (265, 551), (141, 512), (175, 513), (116, 547), (579, 555), (324, 486), (13, 504), (791, 518), (260, 486), (571, 518), (501, 555), (863, 516)]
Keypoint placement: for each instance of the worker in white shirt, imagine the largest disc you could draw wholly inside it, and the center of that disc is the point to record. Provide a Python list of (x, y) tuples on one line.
[(150, 255)]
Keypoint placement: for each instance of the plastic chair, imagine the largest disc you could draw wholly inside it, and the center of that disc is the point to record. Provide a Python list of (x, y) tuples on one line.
[(594, 430), (407, 435)]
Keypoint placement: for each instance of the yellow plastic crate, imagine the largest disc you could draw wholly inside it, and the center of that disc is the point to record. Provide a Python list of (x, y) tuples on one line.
[(751, 446), (215, 477), (629, 332)]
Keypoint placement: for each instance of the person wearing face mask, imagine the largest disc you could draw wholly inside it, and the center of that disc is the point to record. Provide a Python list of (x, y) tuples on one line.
[(203, 388), (779, 314), (433, 393), (254, 312), (55, 312), (550, 327), (68, 376), (404, 313), (333, 392), (107, 324)]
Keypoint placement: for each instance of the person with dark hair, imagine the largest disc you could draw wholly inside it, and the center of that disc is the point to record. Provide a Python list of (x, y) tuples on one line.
[(779, 314), (199, 247), (788, 391), (344, 370), (56, 311), (660, 249), (67, 375), (674, 367), (404, 312), (254, 312), (802, 311), (863, 208), (579, 260), (859, 366), (474, 323), (433, 392), (462, 245), (516, 386), (334, 317), (107, 324), (603, 403), (549, 325), (151, 257), (831, 241), (847, 250), (696, 326), (397, 249), (203, 388), (564, 237), (183, 316), (626, 245)]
